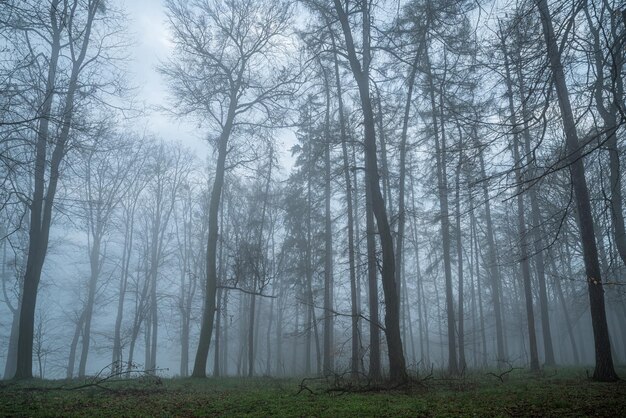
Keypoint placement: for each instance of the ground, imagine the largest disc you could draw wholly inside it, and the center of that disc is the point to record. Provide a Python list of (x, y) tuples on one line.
[(556, 393)]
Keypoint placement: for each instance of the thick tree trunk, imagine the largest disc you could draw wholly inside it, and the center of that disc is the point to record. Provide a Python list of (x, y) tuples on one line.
[(206, 328), (397, 367), (38, 231), (9, 368), (604, 369)]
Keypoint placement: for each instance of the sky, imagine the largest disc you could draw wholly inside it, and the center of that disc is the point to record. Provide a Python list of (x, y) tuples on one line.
[(149, 33)]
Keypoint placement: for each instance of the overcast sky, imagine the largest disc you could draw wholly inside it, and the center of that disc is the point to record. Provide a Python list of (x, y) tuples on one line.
[(148, 28)]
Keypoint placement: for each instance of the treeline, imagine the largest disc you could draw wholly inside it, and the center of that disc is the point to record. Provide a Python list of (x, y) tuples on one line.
[(455, 198)]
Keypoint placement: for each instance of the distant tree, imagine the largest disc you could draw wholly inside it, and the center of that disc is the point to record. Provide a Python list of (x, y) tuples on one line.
[(107, 175)]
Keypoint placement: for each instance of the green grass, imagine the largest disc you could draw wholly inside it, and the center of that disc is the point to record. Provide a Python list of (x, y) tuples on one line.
[(557, 393)]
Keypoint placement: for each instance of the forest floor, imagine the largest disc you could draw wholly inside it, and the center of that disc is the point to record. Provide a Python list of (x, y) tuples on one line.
[(555, 393)]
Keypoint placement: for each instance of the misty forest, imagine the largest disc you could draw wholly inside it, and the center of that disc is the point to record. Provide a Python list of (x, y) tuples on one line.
[(391, 199)]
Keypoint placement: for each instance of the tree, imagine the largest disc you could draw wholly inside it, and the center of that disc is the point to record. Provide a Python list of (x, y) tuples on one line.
[(360, 70), (604, 369), (106, 171), (521, 217), (66, 30), (229, 75)]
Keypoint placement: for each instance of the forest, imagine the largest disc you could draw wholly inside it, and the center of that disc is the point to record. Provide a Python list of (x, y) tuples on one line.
[(386, 197)]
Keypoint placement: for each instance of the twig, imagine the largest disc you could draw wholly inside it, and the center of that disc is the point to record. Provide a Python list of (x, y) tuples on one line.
[(502, 375)]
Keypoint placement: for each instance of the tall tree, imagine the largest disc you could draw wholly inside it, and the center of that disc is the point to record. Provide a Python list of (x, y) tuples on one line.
[(67, 29), (521, 216), (228, 73), (361, 72), (604, 368)]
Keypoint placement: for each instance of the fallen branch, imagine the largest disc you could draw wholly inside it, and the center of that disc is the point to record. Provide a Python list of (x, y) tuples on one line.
[(502, 375)]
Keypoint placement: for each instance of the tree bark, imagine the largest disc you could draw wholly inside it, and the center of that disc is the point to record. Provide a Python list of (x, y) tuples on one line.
[(604, 368), (397, 367), (206, 328)]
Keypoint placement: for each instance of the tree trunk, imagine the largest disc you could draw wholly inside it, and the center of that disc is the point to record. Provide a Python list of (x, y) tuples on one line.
[(354, 358), (397, 367), (536, 226), (73, 345), (444, 217), (328, 367), (459, 254), (126, 253), (474, 240), (492, 262), (38, 231), (609, 117), (206, 328), (374, 365), (604, 369), (521, 220), (41, 206), (95, 263)]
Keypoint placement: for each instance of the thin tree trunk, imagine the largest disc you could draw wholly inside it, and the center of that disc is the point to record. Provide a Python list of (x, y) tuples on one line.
[(536, 227), (609, 117), (566, 315), (479, 290), (521, 220), (444, 219), (459, 253), (492, 262), (126, 253), (374, 365), (354, 359), (328, 366)]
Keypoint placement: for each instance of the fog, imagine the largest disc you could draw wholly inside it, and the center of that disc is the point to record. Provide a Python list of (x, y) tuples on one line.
[(279, 188)]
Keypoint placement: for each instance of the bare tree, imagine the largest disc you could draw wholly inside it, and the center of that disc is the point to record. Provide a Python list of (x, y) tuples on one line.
[(65, 31), (229, 75), (360, 70), (604, 369)]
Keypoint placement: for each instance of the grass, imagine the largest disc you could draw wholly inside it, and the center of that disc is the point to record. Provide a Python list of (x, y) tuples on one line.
[(556, 393)]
